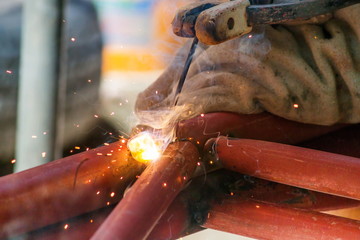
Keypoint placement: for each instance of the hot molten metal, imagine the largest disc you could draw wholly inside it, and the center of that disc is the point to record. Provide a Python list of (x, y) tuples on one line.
[(144, 148)]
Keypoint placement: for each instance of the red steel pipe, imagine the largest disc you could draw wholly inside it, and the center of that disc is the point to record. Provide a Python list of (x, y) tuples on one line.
[(262, 126), (269, 221), (173, 223), (306, 168), (65, 188), (140, 209), (201, 128), (81, 227), (271, 192)]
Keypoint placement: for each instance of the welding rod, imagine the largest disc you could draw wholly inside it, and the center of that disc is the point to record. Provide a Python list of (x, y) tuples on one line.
[(185, 69)]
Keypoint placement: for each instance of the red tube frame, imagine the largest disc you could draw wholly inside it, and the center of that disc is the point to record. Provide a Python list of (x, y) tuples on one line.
[(140, 209), (177, 220), (262, 126)]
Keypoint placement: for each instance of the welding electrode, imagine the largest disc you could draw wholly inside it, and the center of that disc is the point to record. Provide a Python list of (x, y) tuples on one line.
[(186, 69)]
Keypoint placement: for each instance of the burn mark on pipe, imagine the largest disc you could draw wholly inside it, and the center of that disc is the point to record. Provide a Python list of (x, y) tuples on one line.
[(77, 170)]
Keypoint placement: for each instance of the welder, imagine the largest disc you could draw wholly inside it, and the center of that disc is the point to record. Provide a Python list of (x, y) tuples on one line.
[(305, 70)]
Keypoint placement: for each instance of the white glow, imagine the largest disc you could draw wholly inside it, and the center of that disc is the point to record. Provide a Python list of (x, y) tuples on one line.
[(144, 148)]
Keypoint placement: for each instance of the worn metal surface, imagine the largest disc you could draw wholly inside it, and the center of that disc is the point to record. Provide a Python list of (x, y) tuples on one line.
[(262, 220), (301, 167), (191, 207), (279, 13), (184, 21), (260, 12)]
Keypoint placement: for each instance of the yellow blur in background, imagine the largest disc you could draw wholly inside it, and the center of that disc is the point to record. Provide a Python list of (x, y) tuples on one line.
[(138, 45), (150, 45)]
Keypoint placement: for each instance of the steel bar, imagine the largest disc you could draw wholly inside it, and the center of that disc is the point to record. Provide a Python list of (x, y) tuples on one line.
[(256, 126), (140, 209), (38, 81), (175, 222), (65, 188), (269, 221), (271, 192), (183, 24), (258, 13), (310, 169), (185, 70)]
